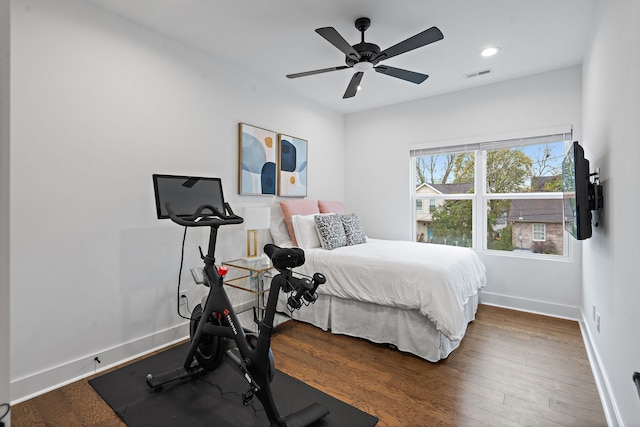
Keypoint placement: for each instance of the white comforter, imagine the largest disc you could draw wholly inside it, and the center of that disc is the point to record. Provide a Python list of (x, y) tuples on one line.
[(437, 280)]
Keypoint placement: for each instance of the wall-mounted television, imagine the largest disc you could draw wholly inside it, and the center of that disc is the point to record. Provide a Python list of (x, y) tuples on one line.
[(580, 195)]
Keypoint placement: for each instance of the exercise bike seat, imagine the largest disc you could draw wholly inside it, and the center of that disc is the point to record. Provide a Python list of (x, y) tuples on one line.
[(284, 257)]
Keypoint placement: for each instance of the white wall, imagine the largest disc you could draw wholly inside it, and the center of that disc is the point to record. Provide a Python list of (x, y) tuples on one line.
[(99, 105), (4, 201), (612, 143), (377, 159)]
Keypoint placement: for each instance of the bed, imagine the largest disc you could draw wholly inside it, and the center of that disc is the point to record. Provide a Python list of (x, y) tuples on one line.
[(418, 297)]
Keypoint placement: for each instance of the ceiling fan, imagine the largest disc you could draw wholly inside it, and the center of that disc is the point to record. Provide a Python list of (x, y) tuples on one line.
[(365, 56)]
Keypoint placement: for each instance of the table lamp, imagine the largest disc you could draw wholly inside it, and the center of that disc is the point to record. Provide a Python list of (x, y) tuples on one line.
[(255, 219)]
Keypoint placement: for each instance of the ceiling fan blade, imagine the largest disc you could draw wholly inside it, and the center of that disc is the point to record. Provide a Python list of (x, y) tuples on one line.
[(333, 37), (311, 73), (352, 89), (424, 38), (410, 76)]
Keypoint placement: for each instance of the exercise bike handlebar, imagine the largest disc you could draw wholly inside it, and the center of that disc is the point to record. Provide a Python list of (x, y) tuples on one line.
[(305, 289), (201, 219), (283, 260)]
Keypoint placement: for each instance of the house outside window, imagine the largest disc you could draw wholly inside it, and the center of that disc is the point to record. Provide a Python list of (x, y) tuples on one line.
[(537, 225), (497, 196), (429, 225)]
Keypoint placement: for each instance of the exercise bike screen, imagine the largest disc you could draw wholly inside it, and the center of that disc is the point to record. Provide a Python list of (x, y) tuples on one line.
[(186, 194)]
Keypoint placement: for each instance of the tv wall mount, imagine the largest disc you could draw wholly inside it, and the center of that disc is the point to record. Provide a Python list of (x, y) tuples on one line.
[(596, 198)]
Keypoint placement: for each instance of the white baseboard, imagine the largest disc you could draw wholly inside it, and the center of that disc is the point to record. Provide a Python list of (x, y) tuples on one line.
[(609, 406), (532, 306), (52, 378)]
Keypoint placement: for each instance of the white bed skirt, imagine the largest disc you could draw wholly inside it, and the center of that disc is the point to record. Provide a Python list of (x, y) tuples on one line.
[(408, 330)]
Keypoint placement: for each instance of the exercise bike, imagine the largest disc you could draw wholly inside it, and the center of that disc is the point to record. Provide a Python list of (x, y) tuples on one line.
[(215, 331)]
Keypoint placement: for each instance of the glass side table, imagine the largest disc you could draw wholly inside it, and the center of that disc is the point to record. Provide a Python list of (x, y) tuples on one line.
[(249, 276)]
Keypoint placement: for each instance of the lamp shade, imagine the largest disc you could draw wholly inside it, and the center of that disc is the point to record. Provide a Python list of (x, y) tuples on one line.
[(257, 218)]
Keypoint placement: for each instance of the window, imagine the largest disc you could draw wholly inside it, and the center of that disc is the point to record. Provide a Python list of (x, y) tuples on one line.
[(447, 182), (539, 232), (497, 196)]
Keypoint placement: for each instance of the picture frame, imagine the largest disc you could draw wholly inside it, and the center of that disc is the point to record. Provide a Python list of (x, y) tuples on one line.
[(258, 152), (292, 166)]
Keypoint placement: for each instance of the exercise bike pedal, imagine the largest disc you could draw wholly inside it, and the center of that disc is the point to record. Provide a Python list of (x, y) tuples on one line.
[(156, 382), (247, 398)]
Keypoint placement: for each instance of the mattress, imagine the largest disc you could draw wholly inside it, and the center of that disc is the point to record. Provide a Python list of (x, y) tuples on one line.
[(435, 281)]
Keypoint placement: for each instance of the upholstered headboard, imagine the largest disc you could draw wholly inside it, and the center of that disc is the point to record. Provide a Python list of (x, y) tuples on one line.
[(281, 225)]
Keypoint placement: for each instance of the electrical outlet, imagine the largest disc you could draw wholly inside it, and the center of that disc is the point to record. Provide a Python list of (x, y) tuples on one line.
[(594, 312), (598, 321), (183, 297)]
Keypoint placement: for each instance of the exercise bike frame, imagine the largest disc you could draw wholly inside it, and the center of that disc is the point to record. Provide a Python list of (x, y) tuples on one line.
[(254, 362)]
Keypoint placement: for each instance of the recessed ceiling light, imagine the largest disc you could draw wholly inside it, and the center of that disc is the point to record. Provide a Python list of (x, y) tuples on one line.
[(490, 51), (359, 87)]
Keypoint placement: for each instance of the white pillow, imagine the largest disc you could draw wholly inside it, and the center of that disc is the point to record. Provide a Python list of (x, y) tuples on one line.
[(304, 227), (279, 231)]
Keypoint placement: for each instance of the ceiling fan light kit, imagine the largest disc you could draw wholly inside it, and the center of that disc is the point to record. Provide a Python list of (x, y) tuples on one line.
[(365, 56), (363, 66)]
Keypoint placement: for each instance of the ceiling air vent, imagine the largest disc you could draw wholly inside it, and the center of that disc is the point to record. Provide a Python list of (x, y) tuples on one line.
[(478, 73)]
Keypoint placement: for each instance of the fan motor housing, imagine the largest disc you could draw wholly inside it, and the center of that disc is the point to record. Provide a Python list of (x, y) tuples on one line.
[(366, 50)]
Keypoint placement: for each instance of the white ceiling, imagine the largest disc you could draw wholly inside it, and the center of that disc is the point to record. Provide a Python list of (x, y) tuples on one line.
[(272, 38)]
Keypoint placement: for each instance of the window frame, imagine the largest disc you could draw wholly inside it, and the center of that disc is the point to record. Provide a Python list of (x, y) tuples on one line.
[(533, 232), (480, 197)]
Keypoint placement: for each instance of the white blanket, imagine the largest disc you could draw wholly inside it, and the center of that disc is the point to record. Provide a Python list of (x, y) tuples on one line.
[(437, 280)]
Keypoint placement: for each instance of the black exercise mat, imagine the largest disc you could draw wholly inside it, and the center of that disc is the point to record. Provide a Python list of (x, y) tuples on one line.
[(214, 399)]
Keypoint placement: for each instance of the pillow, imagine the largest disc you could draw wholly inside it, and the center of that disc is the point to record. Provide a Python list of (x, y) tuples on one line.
[(278, 228), (330, 231), (353, 229), (331, 207), (305, 230), (297, 207)]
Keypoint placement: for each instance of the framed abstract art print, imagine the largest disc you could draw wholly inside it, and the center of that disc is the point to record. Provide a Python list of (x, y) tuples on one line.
[(257, 157), (292, 166)]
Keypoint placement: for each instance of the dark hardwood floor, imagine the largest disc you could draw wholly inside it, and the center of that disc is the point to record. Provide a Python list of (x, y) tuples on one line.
[(512, 369)]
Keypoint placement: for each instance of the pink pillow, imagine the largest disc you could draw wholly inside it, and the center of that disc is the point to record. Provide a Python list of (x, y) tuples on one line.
[(297, 207), (331, 207)]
